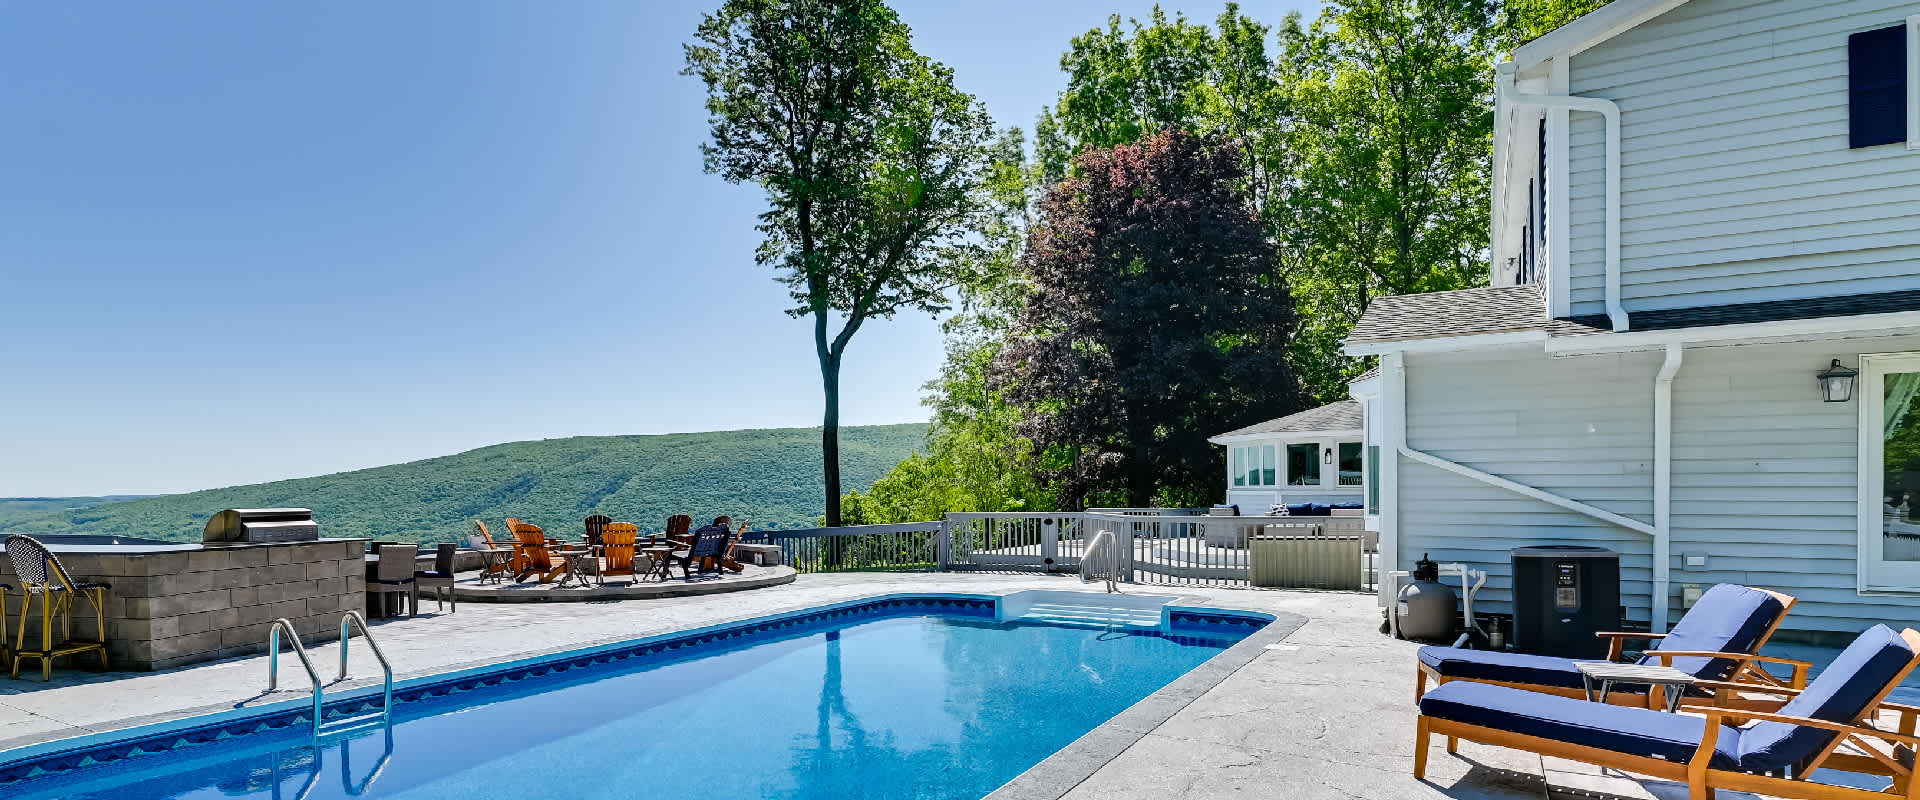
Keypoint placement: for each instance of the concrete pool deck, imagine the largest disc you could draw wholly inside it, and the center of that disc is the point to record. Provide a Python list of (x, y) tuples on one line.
[(1323, 711)]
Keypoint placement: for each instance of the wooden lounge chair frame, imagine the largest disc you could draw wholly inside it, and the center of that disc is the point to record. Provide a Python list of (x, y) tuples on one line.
[(1876, 746), (1747, 671)]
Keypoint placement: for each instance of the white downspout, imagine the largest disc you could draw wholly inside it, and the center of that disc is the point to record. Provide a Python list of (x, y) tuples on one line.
[(1393, 428), (1616, 314), (1663, 482)]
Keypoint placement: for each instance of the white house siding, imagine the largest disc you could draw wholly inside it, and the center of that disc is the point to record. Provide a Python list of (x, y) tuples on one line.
[(1736, 181), (1580, 428), (1765, 479), (1764, 472)]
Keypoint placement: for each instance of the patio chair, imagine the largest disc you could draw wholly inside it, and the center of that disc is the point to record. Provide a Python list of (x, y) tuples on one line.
[(482, 539), (618, 544), (1719, 639), (708, 544), (393, 574), (595, 524), (440, 578), (726, 558), (42, 576), (533, 558), (677, 533), (1773, 754)]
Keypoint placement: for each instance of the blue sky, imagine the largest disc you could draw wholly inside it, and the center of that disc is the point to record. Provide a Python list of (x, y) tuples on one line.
[(248, 241)]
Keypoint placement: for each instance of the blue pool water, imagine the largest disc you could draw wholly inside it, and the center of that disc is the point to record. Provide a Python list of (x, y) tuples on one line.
[(886, 705)]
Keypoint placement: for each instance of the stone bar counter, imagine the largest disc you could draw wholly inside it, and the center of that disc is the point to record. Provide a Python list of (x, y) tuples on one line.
[(178, 603)]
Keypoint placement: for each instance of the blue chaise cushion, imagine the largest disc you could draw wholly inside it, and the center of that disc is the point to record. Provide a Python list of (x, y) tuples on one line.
[(1729, 618), (1842, 691), (1619, 729), (1494, 665)]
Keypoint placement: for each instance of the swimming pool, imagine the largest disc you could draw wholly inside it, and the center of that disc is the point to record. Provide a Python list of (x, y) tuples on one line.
[(905, 696)]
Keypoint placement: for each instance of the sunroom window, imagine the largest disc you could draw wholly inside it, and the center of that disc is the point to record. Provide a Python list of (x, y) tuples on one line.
[(1303, 464), (1351, 473)]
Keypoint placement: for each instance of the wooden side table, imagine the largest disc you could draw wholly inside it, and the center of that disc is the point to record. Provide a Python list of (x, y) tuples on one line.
[(1606, 674)]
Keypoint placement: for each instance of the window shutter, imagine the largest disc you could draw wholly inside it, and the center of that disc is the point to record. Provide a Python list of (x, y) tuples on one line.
[(1877, 87)]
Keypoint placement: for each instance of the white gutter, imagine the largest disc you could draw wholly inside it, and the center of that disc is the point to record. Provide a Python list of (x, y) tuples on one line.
[(1663, 482), (1611, 111), (1393, 429)]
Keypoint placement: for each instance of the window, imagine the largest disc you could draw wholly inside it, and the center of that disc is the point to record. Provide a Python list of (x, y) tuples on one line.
[(1236, 459), (1889, 471), (1303, 465), (1253, 465), (1373, 479), (1877, 75), (1267, 478), (1350, 474)]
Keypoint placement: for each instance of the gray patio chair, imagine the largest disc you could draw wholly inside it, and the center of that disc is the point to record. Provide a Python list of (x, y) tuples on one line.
[(393, 574), (440, 578), (42, 575)]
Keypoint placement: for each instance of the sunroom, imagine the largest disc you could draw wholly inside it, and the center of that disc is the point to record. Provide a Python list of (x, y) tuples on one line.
[(1314, 457)]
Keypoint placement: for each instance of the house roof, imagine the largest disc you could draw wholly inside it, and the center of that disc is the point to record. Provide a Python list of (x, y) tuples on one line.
[(1462, 312), (1849, 305), (1589, 29), (1343, 415)]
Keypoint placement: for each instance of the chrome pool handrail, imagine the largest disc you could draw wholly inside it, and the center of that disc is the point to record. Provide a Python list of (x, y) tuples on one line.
[(273, 664), (348, 621)]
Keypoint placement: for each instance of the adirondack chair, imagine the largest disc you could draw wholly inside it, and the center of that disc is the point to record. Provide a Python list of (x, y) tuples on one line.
[(484, 538), (595, 524), (726, 558), (618, 541), (533, 558), (677, 533), (709, 543)]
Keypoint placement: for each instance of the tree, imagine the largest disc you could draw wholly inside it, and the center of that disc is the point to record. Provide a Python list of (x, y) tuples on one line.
[(1154, 321), (1391, 142), (869, 156)]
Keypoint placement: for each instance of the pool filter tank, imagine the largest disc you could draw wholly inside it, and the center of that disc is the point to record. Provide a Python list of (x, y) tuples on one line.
[(1424, 607)]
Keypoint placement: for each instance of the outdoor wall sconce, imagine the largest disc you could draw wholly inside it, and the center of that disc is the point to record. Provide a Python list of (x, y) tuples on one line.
[(1327, 457), (1836, 382)]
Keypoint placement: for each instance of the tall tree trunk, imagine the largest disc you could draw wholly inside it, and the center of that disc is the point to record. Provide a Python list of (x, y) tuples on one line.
[(830, 421)]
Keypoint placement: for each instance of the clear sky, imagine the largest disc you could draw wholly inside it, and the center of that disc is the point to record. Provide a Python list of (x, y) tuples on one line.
[(249, 241)]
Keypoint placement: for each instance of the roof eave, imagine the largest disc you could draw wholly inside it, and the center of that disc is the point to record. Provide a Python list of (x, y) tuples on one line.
[(1590, 29), (1301, 436)]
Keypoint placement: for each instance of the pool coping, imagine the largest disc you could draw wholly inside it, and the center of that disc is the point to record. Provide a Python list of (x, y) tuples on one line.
[(1066, 768), (188, 727)]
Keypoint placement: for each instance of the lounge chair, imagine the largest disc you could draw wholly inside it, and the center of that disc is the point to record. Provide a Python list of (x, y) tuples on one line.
[(1770, 753), (439, 578), (533, 558), (708, 545), (1718, 639), (618, 541)]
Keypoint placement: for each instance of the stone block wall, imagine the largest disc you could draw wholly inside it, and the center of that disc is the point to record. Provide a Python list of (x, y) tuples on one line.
[(174, 608)]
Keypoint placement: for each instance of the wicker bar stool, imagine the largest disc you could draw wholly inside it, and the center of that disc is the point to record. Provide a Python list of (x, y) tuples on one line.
[(41, 575)]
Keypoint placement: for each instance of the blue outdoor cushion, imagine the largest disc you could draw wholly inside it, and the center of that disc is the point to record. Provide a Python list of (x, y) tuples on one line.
[(1729, 618), (1298, 509), (1839, 694), (1494, 665), (1619, 729)]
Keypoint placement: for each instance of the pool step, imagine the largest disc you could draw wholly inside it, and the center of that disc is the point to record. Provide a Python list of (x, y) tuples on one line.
[(1092, 615)]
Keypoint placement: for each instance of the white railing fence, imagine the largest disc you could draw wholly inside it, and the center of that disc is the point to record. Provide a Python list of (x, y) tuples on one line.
[(1169, 549)]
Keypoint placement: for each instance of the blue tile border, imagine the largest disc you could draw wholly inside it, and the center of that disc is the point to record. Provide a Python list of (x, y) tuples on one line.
[(181, 734)]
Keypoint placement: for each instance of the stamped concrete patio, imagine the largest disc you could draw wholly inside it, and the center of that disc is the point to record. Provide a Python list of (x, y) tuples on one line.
[(1324, 710)]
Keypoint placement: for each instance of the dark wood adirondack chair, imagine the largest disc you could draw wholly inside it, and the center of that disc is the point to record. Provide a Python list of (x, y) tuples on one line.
[(595, 524)]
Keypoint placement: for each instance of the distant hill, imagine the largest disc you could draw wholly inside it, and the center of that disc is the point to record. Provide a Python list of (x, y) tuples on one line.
[(14, 509), (770, 476)]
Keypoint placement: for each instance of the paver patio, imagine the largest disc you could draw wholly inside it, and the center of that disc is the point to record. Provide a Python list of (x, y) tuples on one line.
[(1325, 712)]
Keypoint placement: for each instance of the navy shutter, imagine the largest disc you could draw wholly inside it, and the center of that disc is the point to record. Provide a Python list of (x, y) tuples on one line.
[(1877, 87)]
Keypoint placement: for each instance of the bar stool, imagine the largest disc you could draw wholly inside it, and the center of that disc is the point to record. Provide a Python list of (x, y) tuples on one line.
[(42, 575)]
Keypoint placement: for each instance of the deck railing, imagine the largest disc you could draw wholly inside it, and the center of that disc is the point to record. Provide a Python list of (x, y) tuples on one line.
[(909, 547), (1178, 548)]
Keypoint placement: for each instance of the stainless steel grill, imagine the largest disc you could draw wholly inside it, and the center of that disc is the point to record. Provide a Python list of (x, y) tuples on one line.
[(258, 525)]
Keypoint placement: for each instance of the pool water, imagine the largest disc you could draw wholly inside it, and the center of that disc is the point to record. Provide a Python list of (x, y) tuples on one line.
[(907, 706)]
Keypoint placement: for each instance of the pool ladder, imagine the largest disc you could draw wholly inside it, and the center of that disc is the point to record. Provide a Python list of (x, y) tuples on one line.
[(348, 622)]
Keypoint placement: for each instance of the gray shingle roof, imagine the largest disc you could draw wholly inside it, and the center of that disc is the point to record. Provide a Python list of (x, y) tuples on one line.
[(1344, 415), (1462, 312)]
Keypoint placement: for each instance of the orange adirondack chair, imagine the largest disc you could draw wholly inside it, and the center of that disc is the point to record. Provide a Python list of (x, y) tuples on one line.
[(533, 557), (480, 527), (617, 543), (726, 558)]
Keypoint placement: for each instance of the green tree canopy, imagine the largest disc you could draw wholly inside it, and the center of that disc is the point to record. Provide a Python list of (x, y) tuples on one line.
[(870, 158)]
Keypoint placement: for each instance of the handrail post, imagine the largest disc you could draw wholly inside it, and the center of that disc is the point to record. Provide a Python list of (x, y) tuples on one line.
[(273, 665), (348, 622)]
